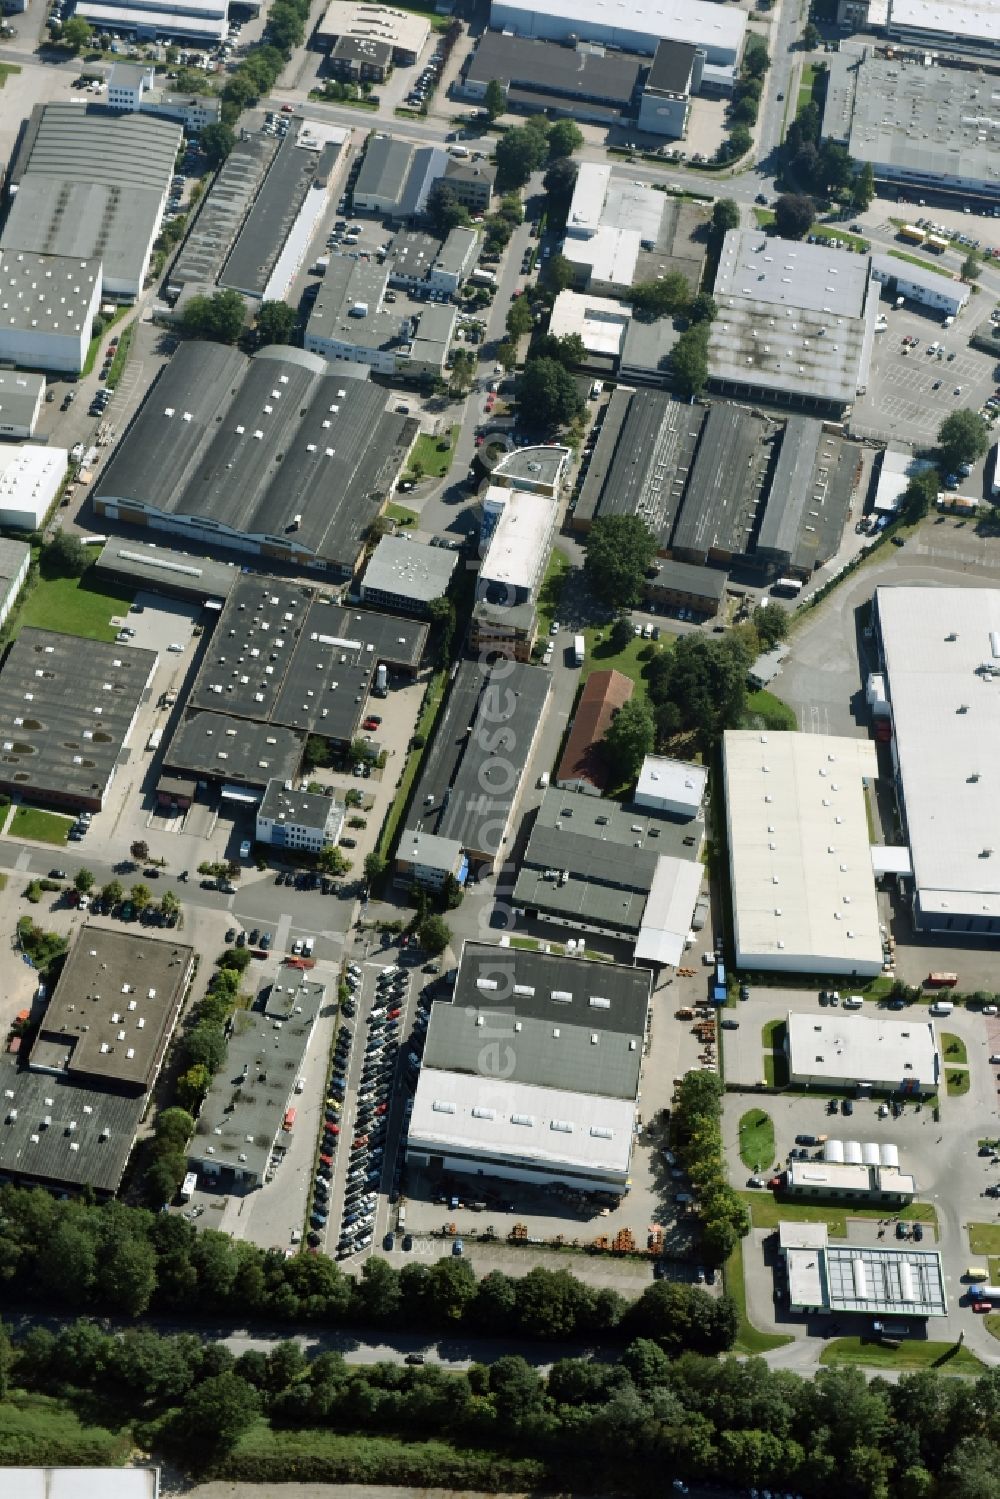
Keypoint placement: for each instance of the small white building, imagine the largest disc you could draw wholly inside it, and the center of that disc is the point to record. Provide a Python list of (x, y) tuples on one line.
[(840, 1049), (671, 786), (21, 398), (455, 260), (298, 820), (132, 89), (47, 309), (518, 544), (928, 288), (425, 859), (601, 322), (29, 482)]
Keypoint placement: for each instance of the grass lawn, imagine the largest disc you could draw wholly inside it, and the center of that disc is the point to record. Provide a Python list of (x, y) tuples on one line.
[(958, 1082), (765, 220), (992, 1324), (773, 713), (5, 68), (767, 1209), (756, 1140), (433, 461), (749, 1339), (984, 1238), (602, 656), (400, 515), (949, 1358), (36, 1429), (928, 265), (775, 1061), (806, 84), (425, 723), (44, 827), (73, 606), (121, 356), (550, 593), (98, 339), (953, 1050)]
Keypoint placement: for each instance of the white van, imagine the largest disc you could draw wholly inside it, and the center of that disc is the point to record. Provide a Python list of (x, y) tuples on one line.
[(853, 1001), (543, 781), (942, 1007)]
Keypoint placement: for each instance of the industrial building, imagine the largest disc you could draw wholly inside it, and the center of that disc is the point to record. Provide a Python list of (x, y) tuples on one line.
[(132, 89), (675, 75), (796, 322), (917, 126), (681, 585), (91, 185), (724, 488), (352, 320), (405, 32), (279, 455), (584, 765), (873, 1280), (641, 460), (581, 82), (15, 559), (928, 288), (426, 860), (531, 1073), (237, 755), (719, 33), (422, 264), (601, 322), (66, 716), (672, 787), (222, 213), (201, 21), (21, 398), (803, 887), (249, 1113), (842, 1049), (591, 865), (940, 649), (810, 487), (471, 776), (849, 1169), (620, 231), (396, 178), (293, 177), (47, 310), (970, 28), (519, 528), (135, 565), (298, 820), (406, 576), (30, 480)]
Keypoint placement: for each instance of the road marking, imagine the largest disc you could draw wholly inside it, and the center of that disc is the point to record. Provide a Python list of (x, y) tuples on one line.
[(281, 933), (23, 859)]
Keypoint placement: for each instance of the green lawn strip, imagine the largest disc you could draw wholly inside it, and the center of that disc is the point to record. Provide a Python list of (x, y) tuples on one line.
[(984, 1238), (768, 1209), (994, 1269), (775, 714), (43, 827), (765, 220), (958, 1081), (434, 461), (425, 723), (35, 1429), (400, 515), (992, 1324), (550, 592), (764, 217), (5, 69), (121, 356), (953, 1050), (773, 1044), (949, 1358), (98, 340), (602, 656), (74, 607), (806, 84), (927, 265), (756, 1140), (749, 1339)]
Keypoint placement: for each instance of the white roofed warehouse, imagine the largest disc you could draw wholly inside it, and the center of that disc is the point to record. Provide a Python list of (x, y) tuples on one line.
[(842, 1048), (803, 888)]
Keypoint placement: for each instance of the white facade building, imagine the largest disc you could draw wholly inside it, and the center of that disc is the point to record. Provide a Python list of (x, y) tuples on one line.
[(15, 559), (601, 322), (299, 820), (132, 89), (841, 1049), (671, 786), (30, 478), (518, 549), (803, 888), (927, 288), (718, 30), (193, 20), (47, 309), (21, 398)]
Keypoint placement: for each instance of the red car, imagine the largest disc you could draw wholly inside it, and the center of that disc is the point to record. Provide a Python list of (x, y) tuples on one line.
[(383, 1108), (332, 1129), (982, 1306), (360, 1142), (327, 1160), (394, 1014), (286, 109), (375, 719), (775, 1183), (369, 723)]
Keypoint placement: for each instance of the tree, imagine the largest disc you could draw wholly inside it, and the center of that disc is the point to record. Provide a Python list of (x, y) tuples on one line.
[(221, 316), (771, 623), (725, 216), (276, 323), (333, 860), (139, 850), (738, 143), (217, 140), (548, 394), (451, 893), (689, 361), (112, 893), (128, 1274), (216, 1413), (810, 36), (520, 319), (619, 550), (444, 210), (703, 309), (317, 752), (140, 896), (569, 349), (192, 1086), (836, 167), (375, 866), (495, 99), (507, 354), (519, 152), (441, 613), (205, 1046), (661, 298), (83, 881), (971, 268), (236, 958), (863, 188), (559, 183), (963, 437), (629, 738), (64, 556), (793, 215), (434, 934), (75, 34), (559, 273), (565, 137), (920, 494), (755, 59)]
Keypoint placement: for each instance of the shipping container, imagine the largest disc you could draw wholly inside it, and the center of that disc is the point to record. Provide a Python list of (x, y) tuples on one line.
[(289, 1119), (911, 234)]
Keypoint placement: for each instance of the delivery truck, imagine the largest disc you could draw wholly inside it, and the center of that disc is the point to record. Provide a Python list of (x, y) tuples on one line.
[(579, 650)]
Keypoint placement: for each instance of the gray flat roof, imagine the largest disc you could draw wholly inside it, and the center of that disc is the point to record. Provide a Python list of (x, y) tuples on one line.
[(19, 394), (105, 1126), (671, 69), (282, 446), (84, 220), (471, 791), (223, 210), (409, 570), (47, 293), (113, 1008), (363, 49), (13, 555), (455, 254), (385, 167), (532, 66), (413, 253), (223, 748), (275, 210), (306, 808), (163, 570), (541, 1011), (688, 577), (348, 286), (541, 464), (245, 1106), (91, 143), (65, 712), (809, 495), (723, 490), (641, 460)]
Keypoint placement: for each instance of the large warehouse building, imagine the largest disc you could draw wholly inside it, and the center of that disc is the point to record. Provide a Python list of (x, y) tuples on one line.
[(803, 889), (941, 652), (883, 1280), (718, 30), (842, 1049), (531, 1074), (278, 455)]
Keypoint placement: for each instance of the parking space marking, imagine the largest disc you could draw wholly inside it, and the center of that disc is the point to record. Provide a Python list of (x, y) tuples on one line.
[(281, 932)]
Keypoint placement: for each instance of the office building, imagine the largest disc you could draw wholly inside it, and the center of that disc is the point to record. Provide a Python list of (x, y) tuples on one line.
[(352, 321), (30, 479), (91, 185), (357, 59), (406, 576), (940, 650), (404, 32), (536, 469), (132, 89), (507, 630), (581, 82), (675, 75), (803, 887), (584, 765), (21, 398), (426, 860), (918, 127), (66, 716), (15, 559), (849, 1169), (47, 310), (455, 261), (718, 32), (796, 322), (278, 455), (301, 821), (201, 21), (601, 322), (927, 287), (682, 585), (844, 1049), (883, 1280), (517, 551), (531, 1073)]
